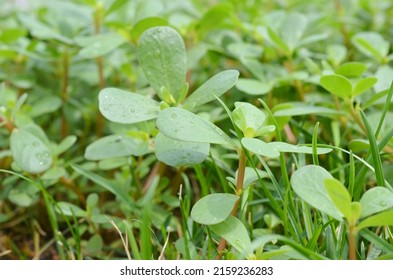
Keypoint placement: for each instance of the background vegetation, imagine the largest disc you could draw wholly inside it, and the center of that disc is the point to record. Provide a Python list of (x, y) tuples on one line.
[(74, 185)]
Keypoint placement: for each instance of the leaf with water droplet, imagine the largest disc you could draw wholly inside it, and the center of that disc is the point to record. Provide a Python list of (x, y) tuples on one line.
[(116, 146), (29, 150), (125, 107), (162, 56), (376, 200), (234, 232), (183, 125), (179, 153)]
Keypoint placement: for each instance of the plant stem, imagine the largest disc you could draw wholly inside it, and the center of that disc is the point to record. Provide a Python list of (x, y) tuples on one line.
[(239, 187), (356, 116), (352, 242), (7, 124)]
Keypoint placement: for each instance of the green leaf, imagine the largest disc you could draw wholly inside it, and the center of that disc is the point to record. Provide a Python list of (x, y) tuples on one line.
[(108, 185), (234, 232), (125, 107), (30, 149), (180, 246), (299, 109), (308, 182), (66, 144), (162, 56), (116, 5), (376, 200), (336, 53), (241, 50), (356, 211), (92, 201), (248, 118), (351, 69), (146, 23), (183, 125), (70, 209), (340, 197), (363, 85), (254, 87), (259, 147), (45, 105), (212, 88), (381, 219), (99, 45), (289, 148), (213, 208), (273, 149), (337, 85), (179, 153), (292, 29), (357, 145), (95, 244), (42, 31), (112, 163), (54, 173), (371, 44), (280, 43), (116, 146)]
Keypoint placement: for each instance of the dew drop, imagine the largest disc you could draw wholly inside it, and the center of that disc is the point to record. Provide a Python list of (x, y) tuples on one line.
[(38, 155), (46, 154), (43, 162), (132, 110), (383, 203), (118, 139), (177, 130), (36, 144)]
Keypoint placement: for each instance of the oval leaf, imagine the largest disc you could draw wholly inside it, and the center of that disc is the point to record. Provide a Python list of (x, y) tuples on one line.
[(69, 209), (183, 125), (351, 69), (162, 55), (234, 232), (253, 87), (248, 118), (371, 44), (125, 107), (363, 85), (259, 147), (340, 197), (116, 146), (376, 200), (308, 183), (98, 45), (177, 153), (212, 88), (381, 219), (337, 85), (30, 151), (214, 208)]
